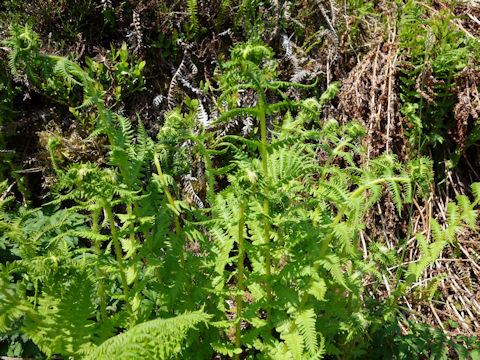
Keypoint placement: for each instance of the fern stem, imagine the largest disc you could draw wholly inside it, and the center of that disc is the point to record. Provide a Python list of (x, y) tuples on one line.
[(132, 239), (239, 300), (208, 171), (118, 253), (101, 291), (266, 204), (172, 204)]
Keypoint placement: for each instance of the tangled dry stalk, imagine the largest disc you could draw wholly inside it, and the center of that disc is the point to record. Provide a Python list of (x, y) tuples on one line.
[(370, 95)]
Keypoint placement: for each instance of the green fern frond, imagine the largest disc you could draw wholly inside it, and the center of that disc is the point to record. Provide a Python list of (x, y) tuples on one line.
[(422, 242), (89, 235), (71, 311), (438, 233), (396, 196), (154, 339), (225, 349), (476, 191), (343, 233), (65, 69), (453, 214), (235, 112), (88, 101), (254, 51), (295, 344), (124, 134), (24, 44), (193, 14), (468, 214), (305, 321), (331, 263)]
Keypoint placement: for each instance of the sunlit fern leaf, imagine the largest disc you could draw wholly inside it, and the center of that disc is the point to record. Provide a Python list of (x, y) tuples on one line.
[(305, 320), (320, 352), (422, 242), (124, 134), (24, 44), (356, 210), (87, 102), (154, 339), (450, 232), (193, 14), (10, 308), (436, 248), (233, 113), (374, 194), (344, 234), (476, 191), (254, 51), (225, 349), (85, 234), (420, 171), (140, 155), (295, 344), (469, 215), (408, 189), (386, 165), (222, 247), (453, 214), (318, 289), (289, 163), (65, 69), (96, 132), (396, 195), (334, 190), (4, 203), (438, 233), (430, 255)]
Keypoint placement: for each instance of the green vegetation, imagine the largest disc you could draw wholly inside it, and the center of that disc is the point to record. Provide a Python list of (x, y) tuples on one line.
[(228, 183)]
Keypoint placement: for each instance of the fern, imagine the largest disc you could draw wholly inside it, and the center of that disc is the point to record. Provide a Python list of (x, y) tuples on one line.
[(272, 255), (58, 317), (24, 43), (469, 215), (155, 339), (65, 70), (295, 344), (193, 14), (305, 321)]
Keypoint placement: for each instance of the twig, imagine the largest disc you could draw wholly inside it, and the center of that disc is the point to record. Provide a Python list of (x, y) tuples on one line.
[(462, 320), (364, 245), (436, 316), (468, 256), (4, 195)]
